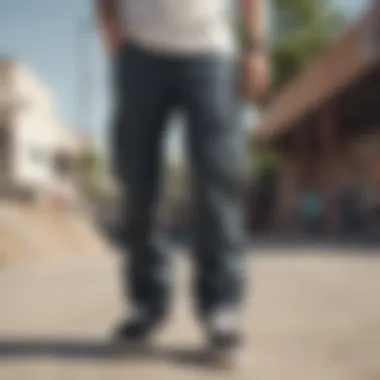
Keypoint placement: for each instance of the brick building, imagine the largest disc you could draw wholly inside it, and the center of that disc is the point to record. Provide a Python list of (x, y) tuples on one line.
[(327, 125)]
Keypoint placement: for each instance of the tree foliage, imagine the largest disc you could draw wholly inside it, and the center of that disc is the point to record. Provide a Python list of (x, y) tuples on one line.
[(302, 30), (92, 172)]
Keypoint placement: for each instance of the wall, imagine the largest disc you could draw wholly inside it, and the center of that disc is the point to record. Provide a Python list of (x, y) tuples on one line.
[(367, 149), (287, 194), (34, 145), (357, 165), (37, 133)]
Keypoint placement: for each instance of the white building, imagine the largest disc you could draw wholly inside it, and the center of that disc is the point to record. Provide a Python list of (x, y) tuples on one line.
[(36, 150)]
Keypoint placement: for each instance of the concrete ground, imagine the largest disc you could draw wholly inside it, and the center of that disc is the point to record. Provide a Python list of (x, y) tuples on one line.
[(311, 315)]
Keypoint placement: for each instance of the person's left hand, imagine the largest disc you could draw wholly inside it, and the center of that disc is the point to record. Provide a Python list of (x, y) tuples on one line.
[(256, 75)]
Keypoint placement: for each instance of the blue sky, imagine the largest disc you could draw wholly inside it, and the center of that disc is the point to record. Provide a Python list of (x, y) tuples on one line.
[(44, 34)]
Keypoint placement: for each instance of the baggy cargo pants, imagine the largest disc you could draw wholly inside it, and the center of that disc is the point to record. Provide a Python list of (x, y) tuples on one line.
[(204, 87)]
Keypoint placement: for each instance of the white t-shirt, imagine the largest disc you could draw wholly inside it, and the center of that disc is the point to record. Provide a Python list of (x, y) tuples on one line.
[(180, 26)]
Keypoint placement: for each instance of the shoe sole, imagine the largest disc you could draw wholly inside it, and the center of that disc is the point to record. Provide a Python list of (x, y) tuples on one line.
[(132, 347), (225, 358)]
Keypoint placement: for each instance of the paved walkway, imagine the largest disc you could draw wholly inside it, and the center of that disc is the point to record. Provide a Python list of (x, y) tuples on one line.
[(310, 317)]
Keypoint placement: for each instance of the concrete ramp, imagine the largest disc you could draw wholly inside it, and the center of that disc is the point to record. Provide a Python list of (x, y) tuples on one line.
[(10, 246), (28, 231)]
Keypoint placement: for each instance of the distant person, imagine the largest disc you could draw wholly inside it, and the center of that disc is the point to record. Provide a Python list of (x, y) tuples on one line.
[(170, 54), (312, 210)]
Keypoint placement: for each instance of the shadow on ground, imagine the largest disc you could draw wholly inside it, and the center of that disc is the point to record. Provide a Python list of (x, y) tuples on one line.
[(275, 242), (345, 245), (93, 350)]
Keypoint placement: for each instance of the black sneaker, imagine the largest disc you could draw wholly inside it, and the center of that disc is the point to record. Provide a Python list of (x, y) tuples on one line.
[(135, 330), (225, 342)]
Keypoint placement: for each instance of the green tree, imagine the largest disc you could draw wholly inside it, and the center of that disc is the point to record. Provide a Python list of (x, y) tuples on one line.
[(302, 30), (92, 172)]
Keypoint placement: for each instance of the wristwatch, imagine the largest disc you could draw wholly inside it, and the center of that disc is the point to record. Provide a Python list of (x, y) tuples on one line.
[(255, 46)]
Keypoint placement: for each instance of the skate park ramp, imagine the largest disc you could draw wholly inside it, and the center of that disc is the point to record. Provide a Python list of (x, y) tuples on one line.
[(30, 232)]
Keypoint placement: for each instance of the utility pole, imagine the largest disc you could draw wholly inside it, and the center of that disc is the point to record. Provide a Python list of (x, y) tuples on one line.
[(84, 83), (83, 96)]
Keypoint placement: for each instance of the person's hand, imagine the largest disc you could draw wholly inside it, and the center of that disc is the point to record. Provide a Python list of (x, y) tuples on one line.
[(256, 75)]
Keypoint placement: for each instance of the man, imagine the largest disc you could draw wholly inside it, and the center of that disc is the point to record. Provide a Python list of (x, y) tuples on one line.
[(181, 54)]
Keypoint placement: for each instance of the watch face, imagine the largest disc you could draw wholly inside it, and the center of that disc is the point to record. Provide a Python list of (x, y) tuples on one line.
[(256, 46)]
